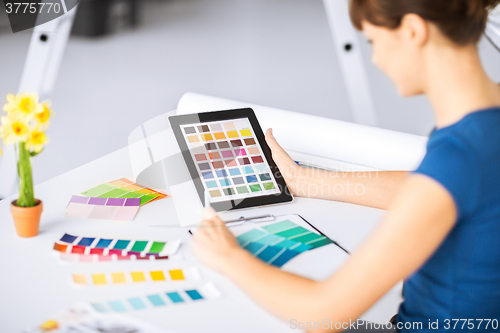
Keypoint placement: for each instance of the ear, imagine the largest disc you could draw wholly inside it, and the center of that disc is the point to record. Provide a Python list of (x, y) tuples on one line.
[(415, 28)]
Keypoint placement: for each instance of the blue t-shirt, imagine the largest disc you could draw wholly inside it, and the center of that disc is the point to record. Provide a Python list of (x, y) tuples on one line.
[(461, 280)]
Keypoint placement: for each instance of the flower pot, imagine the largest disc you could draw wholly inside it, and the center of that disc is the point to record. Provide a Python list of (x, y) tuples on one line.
[(26, 219)]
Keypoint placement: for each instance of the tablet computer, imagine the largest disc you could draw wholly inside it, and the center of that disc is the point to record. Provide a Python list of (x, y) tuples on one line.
[(228, 158)]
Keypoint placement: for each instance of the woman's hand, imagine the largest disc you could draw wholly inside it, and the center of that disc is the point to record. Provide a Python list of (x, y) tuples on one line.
[(289, 169), (213, 244)]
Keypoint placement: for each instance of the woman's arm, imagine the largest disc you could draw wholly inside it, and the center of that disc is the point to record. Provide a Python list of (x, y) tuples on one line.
[(373, 189), (419, 220)]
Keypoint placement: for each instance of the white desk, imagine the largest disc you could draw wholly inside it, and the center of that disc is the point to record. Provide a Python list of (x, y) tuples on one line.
[(34, 283)]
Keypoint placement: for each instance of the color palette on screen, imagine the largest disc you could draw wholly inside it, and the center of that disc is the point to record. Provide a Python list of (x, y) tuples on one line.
[(122, 248), (137, 276), (124, 188), (118, 209), (279, 242), (229, 160), (159, 300)]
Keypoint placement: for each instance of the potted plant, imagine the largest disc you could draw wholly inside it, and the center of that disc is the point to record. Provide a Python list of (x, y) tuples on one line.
[(24, 126)]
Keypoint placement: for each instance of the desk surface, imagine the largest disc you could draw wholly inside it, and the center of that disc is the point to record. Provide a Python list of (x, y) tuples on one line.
[(34, 283)]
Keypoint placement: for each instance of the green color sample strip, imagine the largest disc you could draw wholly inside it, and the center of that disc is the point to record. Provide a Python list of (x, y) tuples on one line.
[(157, 247), (320, 243), (268, 186), (139, 246), (250, 236), (294, 232), (280, 226), (99, 190)]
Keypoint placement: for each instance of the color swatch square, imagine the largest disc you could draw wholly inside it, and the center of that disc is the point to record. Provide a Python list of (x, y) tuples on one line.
[(221, 173), (234, 172), (242, 190), (118, 306), (211, 184), (238, 181), (175, 297), (157, 275), (223, 144), (236, 143), (268, 186), (207, 175), (218, 164), (99, 279), (157, 247), (176, 274), (246, 132), (257, 159), (251, 179), (228, 191), (232, 134), (138, 276), (264, 176), (137, 303), (225, 182), (215, 193), (249, 141), (156, 300), (118, 278), (219, 135), (80, 279), (255, 188), (194, 294)]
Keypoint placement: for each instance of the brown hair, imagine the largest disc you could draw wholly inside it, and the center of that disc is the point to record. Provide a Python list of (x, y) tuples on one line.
[(462, 21)]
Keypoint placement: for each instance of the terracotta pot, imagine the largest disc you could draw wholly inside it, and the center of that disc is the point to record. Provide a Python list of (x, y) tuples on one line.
[(26, 219)]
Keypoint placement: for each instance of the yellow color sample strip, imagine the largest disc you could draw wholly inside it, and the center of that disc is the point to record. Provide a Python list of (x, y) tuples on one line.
[(79, 279), (138, 276), (118, 278), (157, 276), (176, 274), (219, 135), (99, 279), (207, 137), (246, 132), (193, 138), (232, 134)]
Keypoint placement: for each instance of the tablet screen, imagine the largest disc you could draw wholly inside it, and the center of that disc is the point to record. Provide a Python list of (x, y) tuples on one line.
[(229, 159)]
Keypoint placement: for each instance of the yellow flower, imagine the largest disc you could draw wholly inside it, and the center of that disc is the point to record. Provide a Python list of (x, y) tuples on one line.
[(23, 105), (36, 141), (14, 129), (42, 118)]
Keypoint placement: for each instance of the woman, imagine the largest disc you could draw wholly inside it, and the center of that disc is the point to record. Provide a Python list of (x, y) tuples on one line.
[(441, 232)]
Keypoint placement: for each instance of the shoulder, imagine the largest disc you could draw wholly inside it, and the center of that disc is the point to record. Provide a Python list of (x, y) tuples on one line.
[(452, 159)]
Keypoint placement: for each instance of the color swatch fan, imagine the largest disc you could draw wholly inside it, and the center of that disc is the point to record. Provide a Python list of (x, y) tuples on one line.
[(277, 243), (118, 200)]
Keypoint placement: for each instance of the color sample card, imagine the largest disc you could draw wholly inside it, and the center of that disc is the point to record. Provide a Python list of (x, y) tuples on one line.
[(119, 209), (229, 160), (159, 300), (124, 188), (104, 249), (277, 243), (136, 276)]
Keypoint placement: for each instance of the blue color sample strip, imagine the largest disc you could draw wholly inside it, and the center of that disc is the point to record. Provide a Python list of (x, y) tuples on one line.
[(279, 242), (68, 238), (175, 297), (86, 241), (156, 300), (103, 243), (137, 303), (121, 245), (99, 307), (118, 306), (194, 294)]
